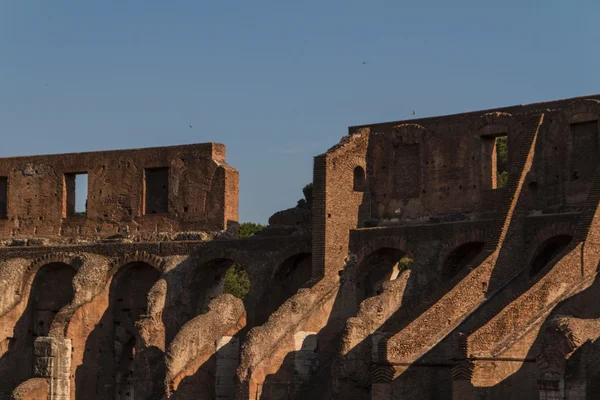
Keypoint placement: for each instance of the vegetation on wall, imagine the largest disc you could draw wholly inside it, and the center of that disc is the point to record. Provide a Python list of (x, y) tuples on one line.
[(237, 282), (501, 161)]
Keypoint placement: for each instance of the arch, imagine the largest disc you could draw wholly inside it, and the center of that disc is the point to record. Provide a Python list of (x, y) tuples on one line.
[(289, 276), (461, 257), (395, 242), (110, 346), (384, 264), (152, 260), (360, 181), (491, 123), (49, 289), (584, 110), (47, 259), (547, 252)]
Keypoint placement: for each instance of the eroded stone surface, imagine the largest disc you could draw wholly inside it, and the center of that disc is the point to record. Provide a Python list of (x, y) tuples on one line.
[(500, 299)]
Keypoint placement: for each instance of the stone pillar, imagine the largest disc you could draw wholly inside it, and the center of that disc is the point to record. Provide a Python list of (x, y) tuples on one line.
[(228, 356), (462, 371), (381, 381), (305, 357), (53, 361), (559, 342)]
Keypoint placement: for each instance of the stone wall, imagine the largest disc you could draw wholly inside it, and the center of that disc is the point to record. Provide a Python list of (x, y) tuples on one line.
[(498, 298)]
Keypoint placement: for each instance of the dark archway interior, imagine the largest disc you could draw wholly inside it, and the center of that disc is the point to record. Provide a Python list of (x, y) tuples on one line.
[(290, 276), (359, 180), (381, 266), (459, 258), (51, 290), (129, 301), (547, 251)]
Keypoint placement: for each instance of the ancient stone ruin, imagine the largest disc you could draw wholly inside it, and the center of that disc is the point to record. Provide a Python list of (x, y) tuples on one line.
[(451, 257)]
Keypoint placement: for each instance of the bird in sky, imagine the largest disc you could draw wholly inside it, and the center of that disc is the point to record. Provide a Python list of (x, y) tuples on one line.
[(190, 125), (364, 62), (414, 113)]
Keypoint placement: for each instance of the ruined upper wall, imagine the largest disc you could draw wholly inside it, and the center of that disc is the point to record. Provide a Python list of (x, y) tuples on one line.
[(443, 166), (161, 189)]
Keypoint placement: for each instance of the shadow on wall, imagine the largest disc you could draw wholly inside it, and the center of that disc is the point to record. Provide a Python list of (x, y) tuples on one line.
[(581, 366), (51, 290), (115, 362), (210, 279)]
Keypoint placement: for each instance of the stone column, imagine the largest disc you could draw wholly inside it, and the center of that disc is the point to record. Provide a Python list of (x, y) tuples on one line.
[(228, 356), (462, 371), (53, 361), (381, 381)]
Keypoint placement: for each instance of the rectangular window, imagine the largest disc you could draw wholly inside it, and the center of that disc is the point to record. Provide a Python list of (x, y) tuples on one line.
[(75, 195), (494, 161), (156, 187), (3, 197)]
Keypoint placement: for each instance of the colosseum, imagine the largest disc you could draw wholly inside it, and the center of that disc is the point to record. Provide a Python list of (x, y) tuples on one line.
[(451, 257)]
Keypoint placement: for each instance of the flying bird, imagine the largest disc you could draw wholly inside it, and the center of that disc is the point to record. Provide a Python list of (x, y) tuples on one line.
[(190, 125), (414, 113)]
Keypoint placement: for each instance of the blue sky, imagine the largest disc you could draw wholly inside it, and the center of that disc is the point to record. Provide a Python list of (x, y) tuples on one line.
[(278, 82)]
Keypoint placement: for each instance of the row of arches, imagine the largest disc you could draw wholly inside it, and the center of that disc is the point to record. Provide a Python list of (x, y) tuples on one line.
[(114, 357), (386, 263)]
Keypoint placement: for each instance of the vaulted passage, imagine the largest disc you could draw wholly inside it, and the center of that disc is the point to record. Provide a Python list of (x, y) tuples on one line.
[(114, 347), (381, 266), (547, 251), (459, 258), (290, 276), (51, 290)]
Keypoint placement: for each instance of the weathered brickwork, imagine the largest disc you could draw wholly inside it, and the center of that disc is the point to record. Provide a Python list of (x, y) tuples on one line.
[(500, 300)]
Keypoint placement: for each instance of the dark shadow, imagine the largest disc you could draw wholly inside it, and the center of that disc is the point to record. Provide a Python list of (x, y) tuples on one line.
[(115, 363), (547, 251), (459, 258), (51, 290), (290, 276)]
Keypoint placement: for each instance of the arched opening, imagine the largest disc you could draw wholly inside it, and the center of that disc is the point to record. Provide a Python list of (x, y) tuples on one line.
[(129, 300), (547, 251), (115, 362), (381, 266), (51, 290), (360, 184), (459, 258), (290, 276)]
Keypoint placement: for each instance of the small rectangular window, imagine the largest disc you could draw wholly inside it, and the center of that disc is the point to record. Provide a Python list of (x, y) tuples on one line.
[(3, 197), (494, 161), (75, 195), (156, 186)]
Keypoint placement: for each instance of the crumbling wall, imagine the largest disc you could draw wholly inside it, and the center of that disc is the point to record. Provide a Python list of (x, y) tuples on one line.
[(164, 189)]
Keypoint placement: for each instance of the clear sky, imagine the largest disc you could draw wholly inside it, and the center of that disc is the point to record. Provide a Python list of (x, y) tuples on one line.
[(278, 82)]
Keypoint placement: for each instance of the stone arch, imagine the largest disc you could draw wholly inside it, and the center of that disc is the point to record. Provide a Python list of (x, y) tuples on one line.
[(460, 258), (52, 258), (397, 242), (459, 251), (547, 244), (289, 276), (378, 262), (360, 179), (152, 260), (406, 134), (584, 110), (491, 123), (47, 288), (119, 345)]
